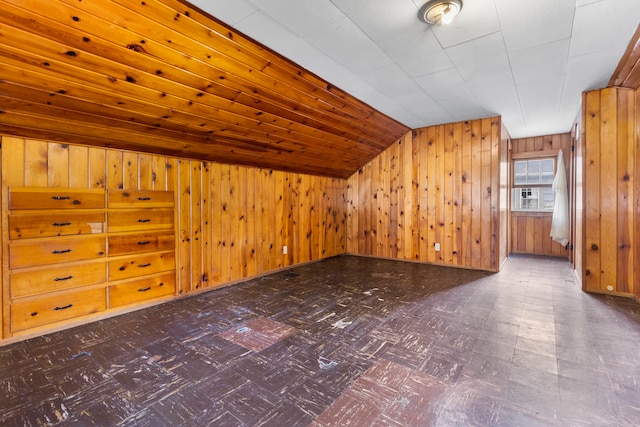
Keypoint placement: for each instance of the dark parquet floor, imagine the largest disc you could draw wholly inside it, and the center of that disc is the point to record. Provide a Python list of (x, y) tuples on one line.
[(346, 341)]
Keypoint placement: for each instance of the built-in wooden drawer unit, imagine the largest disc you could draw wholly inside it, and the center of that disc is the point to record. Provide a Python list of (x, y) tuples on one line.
[(139, 290), (55, 198), (34, 281), (126, 244), (32, 312), (140, 198), (35, 252), (75, 252), (138, 265), (57, 223), (140, 219)]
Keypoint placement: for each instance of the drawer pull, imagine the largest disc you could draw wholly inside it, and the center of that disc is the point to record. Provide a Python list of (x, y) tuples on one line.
[(144, 265), (59, 279), (144, 220), (144, 198), (61, 224), (76, 202), (145, 242), (34, 314), (148, 288), (63, 251), (63, 307), (61, 197)]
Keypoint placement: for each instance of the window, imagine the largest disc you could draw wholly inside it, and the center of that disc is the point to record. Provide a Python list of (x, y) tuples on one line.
[(532, 180)]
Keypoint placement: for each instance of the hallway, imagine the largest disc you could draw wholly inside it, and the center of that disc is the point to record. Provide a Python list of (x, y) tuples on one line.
[(346, 341)]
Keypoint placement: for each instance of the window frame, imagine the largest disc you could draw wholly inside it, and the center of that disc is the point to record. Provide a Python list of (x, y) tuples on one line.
[(516, 188)]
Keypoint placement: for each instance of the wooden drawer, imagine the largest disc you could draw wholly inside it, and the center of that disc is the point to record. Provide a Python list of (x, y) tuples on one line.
[(142, 290), (140, 265), (139, 199), (140, 219), (24, 226), (56, 278), (56, 307), (53, 251), (141, 242), (55, 198)]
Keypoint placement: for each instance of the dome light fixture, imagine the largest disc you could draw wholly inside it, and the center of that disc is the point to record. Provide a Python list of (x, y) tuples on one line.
[(440, 12)]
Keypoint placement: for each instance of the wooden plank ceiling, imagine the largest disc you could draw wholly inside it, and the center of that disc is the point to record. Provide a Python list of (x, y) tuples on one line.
[(162, 76), (627, 73)]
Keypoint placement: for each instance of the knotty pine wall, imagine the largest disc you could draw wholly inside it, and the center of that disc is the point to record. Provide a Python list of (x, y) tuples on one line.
[(611, 196), (439, 184), (530, 230), (232, 221)]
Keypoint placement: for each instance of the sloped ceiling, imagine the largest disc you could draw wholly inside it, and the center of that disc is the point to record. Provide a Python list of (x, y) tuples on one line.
[(160, 76), (525, 60)]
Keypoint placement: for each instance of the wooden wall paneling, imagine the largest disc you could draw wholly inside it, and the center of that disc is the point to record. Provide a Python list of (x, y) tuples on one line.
[(352, 214), (279, 219), (636, 204), (225, 224), (457, 173), (78, 166), (235, 236), (540, 242), (425, 227), (216, 224), (486, 191), (466, 190), (625, 181), (364, 204), (476, 193), (184, 227), (145, 172), (196, 196), (36, 159), (58, 165), (266, 230), (115, 170), (591, 102), (97, 167), (495, 185), (608, 189), (250, 212), (206, 235), (261, 220), (130, 170), (13, 165), (412, 157), (391, 202)]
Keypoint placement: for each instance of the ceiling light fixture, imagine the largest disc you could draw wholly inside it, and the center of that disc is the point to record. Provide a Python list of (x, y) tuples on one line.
[(440, 12)]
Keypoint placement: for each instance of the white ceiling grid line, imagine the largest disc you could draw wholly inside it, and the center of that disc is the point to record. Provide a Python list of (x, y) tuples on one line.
[(526, 60)]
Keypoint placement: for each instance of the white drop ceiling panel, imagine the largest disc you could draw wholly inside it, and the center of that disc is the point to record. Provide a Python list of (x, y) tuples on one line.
[(526, 60)]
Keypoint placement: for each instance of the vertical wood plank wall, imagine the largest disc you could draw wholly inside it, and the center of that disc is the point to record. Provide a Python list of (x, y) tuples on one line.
[(232, 221), (610, 193), (439, 184), (530, 230)]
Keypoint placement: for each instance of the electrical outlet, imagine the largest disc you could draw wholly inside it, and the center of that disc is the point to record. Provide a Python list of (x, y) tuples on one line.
[(436, 246), (284, 249)]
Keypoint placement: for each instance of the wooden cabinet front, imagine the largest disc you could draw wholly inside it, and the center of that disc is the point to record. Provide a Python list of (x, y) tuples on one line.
[(126, 244), (33, 312), (76, 252), (40, 280), (140, 198), (56, 223), (55, 198), (31, 253), (140, 219), (142, 289), (139, 265)]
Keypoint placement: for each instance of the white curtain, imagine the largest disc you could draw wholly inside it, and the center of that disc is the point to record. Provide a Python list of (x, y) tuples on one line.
[(560, 218)]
